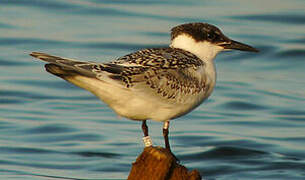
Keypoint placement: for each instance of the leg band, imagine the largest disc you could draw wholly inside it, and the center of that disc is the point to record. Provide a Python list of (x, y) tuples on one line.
[(147, 141)]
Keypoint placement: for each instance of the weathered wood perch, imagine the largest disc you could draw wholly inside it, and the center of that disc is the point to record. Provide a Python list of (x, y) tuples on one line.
[(156, 163)]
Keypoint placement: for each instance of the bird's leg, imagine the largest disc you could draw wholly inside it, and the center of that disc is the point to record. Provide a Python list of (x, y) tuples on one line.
[(165, 135), (146, 139), (144, 128)]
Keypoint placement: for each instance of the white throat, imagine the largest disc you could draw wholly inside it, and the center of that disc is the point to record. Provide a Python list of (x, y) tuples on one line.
[(205, 50)]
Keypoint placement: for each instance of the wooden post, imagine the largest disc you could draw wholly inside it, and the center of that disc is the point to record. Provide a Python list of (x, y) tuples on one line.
[(156, 163)]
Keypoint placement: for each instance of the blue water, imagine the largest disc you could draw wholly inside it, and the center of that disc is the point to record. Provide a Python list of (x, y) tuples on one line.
[(252, 127)]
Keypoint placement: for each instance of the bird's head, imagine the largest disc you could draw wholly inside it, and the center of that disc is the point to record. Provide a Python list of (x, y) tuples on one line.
[(204, 40)]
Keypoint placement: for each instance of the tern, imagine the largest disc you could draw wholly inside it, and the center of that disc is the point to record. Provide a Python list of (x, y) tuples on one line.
[(158, 84)]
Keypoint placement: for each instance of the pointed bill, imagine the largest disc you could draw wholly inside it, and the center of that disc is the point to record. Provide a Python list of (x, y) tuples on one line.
[(238, 46)]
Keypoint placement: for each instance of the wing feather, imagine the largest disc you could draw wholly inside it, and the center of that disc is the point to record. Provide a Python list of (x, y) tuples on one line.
[(167, 73)]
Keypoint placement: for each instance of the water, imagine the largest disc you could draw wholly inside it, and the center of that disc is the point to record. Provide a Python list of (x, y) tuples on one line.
[(252, 127)]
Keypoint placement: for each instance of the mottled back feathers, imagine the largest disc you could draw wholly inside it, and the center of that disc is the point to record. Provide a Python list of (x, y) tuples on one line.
[(168, 72)]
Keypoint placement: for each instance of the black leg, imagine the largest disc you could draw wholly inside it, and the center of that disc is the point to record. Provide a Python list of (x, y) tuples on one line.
[(146, 139), (165, 135), (144, 128)]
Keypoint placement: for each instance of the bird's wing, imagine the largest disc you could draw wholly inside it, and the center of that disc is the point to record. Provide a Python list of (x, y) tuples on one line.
[(166, 73)]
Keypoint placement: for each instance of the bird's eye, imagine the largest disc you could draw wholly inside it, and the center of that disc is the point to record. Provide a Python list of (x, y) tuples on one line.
[(211, 36)]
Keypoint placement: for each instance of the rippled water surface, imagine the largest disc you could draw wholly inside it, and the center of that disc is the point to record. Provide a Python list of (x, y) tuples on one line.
[(252, 127)]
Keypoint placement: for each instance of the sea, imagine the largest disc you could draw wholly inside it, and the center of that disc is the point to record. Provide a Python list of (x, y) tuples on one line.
[(251, 127)]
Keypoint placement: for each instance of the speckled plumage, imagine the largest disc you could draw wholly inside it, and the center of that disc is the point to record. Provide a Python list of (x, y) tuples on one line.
[(170, 75), (149, 67)]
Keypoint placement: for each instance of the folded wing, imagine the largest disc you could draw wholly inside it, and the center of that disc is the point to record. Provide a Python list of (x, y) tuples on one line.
[(164, 73)]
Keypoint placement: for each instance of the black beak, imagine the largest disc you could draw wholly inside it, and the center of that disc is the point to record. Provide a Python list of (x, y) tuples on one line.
[(238, 46)]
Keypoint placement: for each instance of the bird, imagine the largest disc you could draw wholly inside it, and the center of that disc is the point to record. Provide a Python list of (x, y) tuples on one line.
[(159, 84)]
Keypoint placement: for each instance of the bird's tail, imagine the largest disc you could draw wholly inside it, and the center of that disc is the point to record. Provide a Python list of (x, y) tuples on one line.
[(63, 67)]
